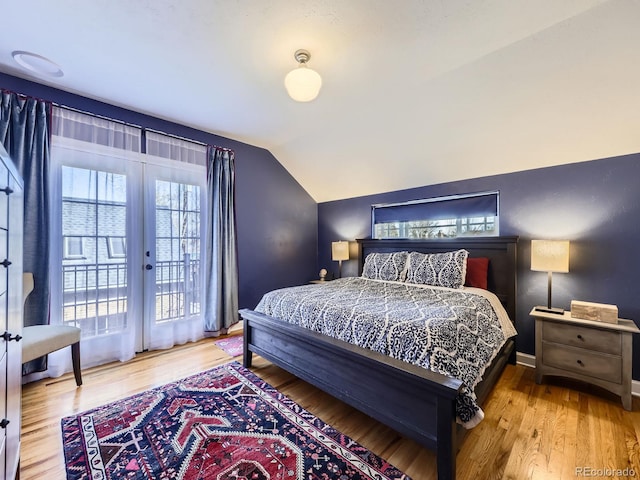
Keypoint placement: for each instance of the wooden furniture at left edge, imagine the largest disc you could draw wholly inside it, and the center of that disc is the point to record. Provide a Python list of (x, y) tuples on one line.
[(416, 402), (11, 214)]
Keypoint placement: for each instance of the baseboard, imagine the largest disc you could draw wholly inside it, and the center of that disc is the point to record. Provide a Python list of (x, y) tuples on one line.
[(528, 360), (525, 359)]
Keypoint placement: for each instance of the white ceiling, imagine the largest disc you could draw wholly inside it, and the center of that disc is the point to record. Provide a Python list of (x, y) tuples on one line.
[(414, 92)]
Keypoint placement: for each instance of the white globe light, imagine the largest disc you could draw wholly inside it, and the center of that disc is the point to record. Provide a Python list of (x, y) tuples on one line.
[(303, 84)]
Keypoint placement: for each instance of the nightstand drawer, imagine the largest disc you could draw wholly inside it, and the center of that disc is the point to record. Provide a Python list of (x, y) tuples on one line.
[(584, 362), (576, 336)]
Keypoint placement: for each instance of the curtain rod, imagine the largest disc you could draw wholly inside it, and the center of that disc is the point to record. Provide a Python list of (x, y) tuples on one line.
[(160, 132), (197, 142), (22, 95), (145, 129), (72, 109), (77, 110), (91, 114)]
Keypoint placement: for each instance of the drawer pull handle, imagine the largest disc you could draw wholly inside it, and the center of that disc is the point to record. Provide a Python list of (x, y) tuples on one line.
[(5, 263), (580, 363), (7, 190), (579, 337), (4, 423)]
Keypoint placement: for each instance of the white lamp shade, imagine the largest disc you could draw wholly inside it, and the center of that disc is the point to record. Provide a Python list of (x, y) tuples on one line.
[(303, 84), (340, 250), (550, 256)]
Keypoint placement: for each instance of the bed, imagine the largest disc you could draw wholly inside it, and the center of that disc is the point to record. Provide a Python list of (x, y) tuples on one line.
[(416, 402)]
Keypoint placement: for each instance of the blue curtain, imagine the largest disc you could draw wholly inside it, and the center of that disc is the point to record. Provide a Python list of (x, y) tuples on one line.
[(24, 132), (221, 274)]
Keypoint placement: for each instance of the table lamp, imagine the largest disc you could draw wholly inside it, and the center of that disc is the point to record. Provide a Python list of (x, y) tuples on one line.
[(340, 252), (550, 256)]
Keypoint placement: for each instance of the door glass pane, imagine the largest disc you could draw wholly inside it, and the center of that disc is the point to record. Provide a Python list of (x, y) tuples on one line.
[(94, 271), (177, 251)]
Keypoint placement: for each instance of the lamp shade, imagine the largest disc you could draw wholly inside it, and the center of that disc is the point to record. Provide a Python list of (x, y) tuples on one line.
[(340, 250), (550, 256), (303, 84)]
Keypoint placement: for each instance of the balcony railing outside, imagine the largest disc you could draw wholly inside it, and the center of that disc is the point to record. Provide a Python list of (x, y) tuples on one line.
[(95, 295), (177, 289)]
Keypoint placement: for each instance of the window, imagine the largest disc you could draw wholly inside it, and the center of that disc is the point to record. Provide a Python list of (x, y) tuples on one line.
[(73, 248), (116, 247), (441, 217)]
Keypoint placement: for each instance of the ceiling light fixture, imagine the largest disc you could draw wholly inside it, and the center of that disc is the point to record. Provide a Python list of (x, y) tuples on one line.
[(37, 63), (303, 84)]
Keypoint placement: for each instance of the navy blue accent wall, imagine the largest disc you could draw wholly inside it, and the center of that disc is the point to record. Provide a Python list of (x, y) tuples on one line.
[(595, 204), (276, 217)]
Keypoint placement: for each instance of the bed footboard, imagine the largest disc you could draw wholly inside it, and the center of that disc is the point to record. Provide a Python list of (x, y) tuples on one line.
[(413, 401)]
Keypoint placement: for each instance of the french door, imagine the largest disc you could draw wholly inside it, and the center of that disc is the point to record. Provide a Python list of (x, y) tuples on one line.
[(129, 230), (173, 239)]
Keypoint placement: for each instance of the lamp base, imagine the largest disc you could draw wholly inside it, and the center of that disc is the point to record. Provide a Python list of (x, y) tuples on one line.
[(556, 311)]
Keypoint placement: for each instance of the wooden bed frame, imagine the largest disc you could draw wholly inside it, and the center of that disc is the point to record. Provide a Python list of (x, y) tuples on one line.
[(415, 402)]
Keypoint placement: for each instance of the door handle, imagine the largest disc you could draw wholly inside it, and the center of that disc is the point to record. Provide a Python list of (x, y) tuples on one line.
[(148, 266), (8, 337)]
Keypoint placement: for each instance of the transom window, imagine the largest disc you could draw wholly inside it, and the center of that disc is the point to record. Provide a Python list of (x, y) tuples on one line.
[(440, 217)]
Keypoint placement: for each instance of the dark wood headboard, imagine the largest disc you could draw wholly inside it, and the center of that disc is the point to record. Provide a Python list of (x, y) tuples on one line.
[(501, 252)]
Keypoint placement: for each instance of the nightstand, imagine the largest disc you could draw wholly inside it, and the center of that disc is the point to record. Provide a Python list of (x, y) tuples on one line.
[(599, 353)]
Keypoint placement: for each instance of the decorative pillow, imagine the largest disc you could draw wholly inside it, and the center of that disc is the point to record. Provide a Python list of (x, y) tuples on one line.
[(385, 266), (477, 272), (438, 269)]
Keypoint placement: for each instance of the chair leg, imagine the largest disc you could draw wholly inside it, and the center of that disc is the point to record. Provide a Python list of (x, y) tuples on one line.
[(75, 359)]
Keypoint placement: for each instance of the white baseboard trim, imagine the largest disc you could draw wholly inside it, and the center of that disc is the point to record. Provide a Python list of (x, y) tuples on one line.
[(525, 359), (528, 360)]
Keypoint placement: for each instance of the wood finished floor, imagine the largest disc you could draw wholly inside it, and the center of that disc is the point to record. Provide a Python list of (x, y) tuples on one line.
[(529, 431)]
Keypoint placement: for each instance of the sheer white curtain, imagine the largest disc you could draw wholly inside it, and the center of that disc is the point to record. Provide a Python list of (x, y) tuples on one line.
[(79, 144), (174, 148), (95, 130)]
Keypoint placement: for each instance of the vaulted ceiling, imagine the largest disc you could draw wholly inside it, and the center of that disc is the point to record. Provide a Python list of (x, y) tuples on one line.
[(414, 92)]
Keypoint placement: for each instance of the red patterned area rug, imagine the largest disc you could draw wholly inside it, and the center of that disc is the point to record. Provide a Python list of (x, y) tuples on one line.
[(223, 424), (232, 345)]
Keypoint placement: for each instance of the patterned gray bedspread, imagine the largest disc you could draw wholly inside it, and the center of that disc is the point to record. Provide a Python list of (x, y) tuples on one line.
[(453, 332)]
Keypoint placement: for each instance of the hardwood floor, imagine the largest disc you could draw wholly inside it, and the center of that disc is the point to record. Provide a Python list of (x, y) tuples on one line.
[(529, 431)]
